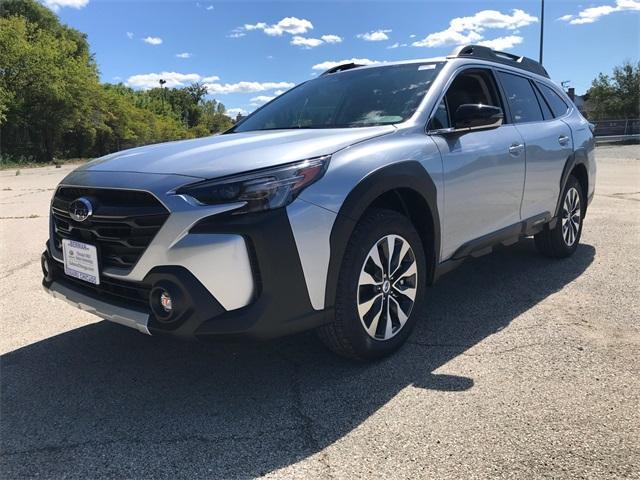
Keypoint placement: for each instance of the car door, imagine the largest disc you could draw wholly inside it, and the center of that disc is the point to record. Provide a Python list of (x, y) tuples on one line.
[(547, 139), (483, 169)]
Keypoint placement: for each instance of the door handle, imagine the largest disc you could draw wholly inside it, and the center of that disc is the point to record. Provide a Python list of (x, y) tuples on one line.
[(515, 149), (563, 140)]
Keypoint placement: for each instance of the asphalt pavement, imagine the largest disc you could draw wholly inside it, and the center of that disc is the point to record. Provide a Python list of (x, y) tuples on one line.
[(523, 367)]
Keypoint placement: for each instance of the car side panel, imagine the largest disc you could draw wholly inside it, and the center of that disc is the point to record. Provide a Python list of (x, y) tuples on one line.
[(548, 146), (483, 184)]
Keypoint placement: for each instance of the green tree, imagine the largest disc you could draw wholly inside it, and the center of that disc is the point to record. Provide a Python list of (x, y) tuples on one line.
[(50, 78), (52, 103), (616, 96)]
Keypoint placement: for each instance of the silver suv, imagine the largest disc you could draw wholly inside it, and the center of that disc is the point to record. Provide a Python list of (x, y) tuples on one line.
[(332, 207)]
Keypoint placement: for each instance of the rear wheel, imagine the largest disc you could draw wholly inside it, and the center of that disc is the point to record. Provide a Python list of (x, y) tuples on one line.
[(562, 240), (380, 287)]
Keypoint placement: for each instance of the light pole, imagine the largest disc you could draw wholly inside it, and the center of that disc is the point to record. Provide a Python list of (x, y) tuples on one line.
[(541, 30), (162, 82)]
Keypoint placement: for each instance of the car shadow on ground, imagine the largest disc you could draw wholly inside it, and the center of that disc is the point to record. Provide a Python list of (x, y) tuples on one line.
[(103, 400)]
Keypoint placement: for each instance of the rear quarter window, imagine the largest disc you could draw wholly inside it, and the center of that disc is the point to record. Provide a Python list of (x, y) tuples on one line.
[(556, 103)]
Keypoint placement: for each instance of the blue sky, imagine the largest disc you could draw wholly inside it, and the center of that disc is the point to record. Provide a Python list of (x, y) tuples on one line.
[(246, 52)]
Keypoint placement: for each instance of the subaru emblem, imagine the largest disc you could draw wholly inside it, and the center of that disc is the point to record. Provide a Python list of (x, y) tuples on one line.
[(80, 209)]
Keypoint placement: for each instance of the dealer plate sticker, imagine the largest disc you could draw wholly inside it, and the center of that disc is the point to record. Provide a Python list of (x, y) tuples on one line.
[(81, 261)]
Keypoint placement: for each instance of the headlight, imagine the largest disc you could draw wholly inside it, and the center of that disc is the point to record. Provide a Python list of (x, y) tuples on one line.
[(262, 189)]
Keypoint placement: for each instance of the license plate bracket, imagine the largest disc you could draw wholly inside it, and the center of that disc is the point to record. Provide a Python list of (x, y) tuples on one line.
[(81, 261)]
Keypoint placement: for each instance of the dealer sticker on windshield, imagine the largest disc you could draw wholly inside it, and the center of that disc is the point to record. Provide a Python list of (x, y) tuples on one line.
[(81, 261)]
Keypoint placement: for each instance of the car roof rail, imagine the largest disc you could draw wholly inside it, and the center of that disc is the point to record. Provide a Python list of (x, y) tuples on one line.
[(485, 53), (342, 68)]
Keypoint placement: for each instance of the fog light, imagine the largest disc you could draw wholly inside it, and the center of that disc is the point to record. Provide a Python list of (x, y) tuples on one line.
[(165, 301)]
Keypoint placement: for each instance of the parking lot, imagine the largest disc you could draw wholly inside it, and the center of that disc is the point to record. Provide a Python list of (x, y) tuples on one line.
[(523, 367)]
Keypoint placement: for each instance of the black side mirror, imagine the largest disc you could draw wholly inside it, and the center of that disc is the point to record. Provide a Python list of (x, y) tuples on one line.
[(477, 116)]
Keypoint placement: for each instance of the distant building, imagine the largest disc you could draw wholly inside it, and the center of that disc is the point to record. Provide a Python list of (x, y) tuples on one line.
[(580, 101), (239, 117)]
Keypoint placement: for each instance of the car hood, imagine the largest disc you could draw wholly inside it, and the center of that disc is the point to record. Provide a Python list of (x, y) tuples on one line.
[(227, 154)]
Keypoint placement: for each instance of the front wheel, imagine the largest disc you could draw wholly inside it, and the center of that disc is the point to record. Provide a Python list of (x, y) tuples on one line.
[(562, 240), (380, 287)]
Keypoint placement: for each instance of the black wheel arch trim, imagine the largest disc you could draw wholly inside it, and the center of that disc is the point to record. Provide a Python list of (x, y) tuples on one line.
[(408, 174), (579, 157)]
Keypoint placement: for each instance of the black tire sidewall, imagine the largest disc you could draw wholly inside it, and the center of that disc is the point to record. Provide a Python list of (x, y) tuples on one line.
[(374, 226)]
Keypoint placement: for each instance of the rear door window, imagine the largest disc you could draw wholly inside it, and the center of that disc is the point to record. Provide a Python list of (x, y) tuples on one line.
[(521, 98), (557, 104)]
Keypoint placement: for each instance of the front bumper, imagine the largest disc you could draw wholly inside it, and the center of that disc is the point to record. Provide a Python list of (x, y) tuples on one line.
[(122, 314), (279, 303)]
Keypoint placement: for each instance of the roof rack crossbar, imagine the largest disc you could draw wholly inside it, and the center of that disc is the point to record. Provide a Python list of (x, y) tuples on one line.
[(341, 68), (485, 53)]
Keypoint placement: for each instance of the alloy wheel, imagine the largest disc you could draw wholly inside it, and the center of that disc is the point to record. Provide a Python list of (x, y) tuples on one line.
[(387, 287), (571, 216)]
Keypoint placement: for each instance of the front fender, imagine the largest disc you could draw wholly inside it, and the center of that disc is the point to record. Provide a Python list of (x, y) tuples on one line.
[(403, 175)]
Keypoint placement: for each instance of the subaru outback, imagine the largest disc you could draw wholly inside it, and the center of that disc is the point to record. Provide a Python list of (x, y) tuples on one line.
[(333, 207)]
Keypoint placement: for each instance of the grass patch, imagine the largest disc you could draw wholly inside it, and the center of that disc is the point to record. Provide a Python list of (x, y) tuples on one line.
[(6, 164)]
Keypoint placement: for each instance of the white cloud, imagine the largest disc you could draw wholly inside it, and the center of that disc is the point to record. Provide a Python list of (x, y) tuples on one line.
[(290, 25), (233, 112), (175, 79), (470, 29), (210, 7), (257, 26), (146, 81), (374, 36), (502, 43), (152, 40), (331, 63), (129, 35), (277, 93), (236, 35), (593, 14), (397, 45), (331, 38), (184, 55), (245, 87), (56, 5), (306, 42), (448, 37), (262, 99)]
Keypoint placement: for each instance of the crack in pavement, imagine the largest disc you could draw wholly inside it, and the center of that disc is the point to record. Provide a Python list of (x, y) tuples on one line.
[(621, 196), (307, 423), (23, 217), (30, 191), (498, 352), (12, 270)]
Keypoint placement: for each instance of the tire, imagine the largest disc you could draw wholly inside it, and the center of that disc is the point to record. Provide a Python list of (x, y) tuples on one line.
[(362, 290), (562, 240)]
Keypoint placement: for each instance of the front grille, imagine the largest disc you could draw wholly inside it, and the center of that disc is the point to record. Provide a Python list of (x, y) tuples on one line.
[(122, 225)]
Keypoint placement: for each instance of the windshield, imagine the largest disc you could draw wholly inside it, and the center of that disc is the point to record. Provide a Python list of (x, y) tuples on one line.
[(354, 98)]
